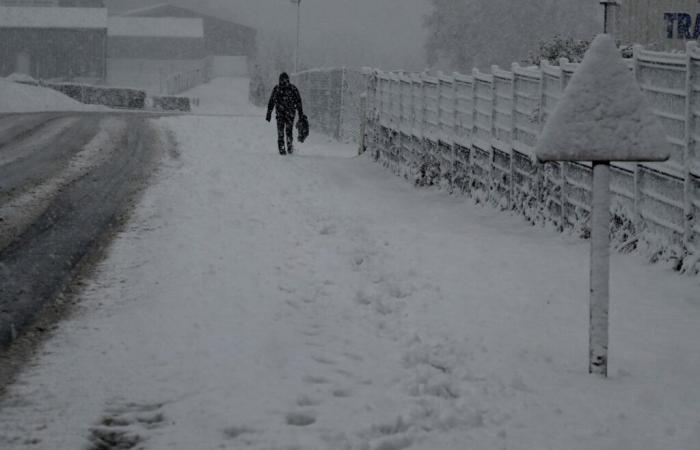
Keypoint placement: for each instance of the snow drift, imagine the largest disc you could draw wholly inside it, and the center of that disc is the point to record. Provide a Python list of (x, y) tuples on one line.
[(19, 98)]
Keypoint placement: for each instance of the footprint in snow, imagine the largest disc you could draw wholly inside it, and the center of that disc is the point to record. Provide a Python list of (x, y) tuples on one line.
[(323, 360), (315, 379), (306, 401), (235, 432), (353, 356), (300, 419), (341, 392), (125, 426)]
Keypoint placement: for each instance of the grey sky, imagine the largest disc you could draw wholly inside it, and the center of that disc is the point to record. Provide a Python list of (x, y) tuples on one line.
[(386, 33)]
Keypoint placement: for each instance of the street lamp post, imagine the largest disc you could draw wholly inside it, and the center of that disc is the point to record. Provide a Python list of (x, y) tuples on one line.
[(296, 52)]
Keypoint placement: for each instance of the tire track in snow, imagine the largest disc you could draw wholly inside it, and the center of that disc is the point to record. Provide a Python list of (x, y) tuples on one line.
[(65, 219)]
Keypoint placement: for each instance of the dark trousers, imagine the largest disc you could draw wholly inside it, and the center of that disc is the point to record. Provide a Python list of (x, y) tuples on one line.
[(285, 128)]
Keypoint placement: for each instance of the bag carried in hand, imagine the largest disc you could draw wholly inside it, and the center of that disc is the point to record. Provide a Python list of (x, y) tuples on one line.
[(302, 128)]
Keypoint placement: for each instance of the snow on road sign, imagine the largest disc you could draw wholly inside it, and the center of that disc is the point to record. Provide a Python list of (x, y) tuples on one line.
[(603, 116)]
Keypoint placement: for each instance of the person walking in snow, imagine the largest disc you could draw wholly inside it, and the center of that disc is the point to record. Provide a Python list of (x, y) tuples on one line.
[(286, 100)]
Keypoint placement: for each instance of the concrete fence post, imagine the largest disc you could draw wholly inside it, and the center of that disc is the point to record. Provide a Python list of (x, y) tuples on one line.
[(455, 126), (363, 123), (423, 125), (341, 102), (492, 149), (688, 207), (440, 157), (563, 165), (511, 186), (401, 114), (637, 202), (472, 175)]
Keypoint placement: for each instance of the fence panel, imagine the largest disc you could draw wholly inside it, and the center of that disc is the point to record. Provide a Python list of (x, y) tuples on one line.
[(527, 84), (553, 180), (693, 166), (431, 107), (464, 125), (418, 114), (464, 109), (446, 125), (317, 89), (384, 99), (662, 77), (661, 187), (354, 84), (415, 143), (406, 126), (526, 121), (503, 126)]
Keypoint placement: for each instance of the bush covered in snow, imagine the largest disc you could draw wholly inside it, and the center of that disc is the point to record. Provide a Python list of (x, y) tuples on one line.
[(552, 50), (182, 104), (101, 95)]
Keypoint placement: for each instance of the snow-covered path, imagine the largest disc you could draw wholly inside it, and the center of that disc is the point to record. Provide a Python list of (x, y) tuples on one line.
[(318, 302)]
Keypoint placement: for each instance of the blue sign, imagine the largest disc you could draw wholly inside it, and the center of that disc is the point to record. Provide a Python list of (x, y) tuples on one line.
[(682, 26)]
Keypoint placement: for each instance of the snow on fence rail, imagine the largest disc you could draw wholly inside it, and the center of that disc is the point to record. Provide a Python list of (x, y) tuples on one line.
[(477, 133)]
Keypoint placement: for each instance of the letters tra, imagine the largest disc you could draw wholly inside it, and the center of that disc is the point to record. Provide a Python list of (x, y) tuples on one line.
[(682, 24)]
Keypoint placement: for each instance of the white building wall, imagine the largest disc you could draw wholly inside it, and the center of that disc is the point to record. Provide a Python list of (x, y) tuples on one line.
[(151, 75), (52, 17), (167, 27), (229, 66)]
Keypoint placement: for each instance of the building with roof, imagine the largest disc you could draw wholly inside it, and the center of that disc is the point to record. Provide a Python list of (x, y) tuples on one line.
[(221, 37), (53, 39), (149, 46)]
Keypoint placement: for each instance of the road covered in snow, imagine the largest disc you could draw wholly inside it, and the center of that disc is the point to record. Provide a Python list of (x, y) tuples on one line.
[(66, 180), (318, 302)]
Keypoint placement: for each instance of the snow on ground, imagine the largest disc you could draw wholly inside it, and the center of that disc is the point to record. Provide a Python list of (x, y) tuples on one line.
[(318, 302), (21, 98), (223, 96)]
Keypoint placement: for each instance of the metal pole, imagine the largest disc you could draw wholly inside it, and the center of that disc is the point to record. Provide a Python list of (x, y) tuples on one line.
[(610, 16), (296, 56), (600, 270)]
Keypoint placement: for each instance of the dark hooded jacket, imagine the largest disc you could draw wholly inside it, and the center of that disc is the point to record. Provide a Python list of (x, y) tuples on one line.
[(285, 99)]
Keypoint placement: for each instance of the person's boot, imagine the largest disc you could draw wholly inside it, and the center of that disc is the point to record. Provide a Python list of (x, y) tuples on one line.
[(290, 149)]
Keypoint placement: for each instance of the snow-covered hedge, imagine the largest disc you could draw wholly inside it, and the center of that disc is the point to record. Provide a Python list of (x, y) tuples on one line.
[(172, 103), (101, 95)]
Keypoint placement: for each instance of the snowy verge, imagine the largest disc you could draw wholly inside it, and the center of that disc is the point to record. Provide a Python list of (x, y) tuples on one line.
[(313, 302), (22, 98), (223, 96), (536, 194)]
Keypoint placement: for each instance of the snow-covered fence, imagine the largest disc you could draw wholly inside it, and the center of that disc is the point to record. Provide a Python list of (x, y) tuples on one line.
[(477, 133), (332, 100)]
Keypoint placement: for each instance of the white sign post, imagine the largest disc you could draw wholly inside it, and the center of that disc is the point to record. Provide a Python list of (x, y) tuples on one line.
[(602, 117)]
